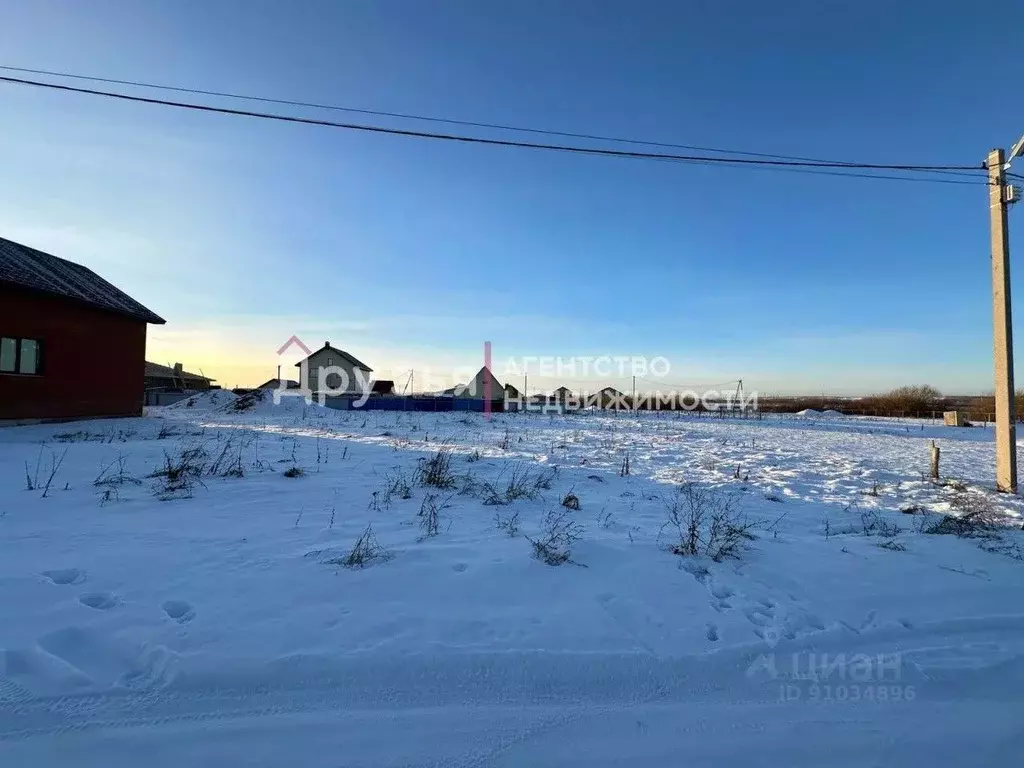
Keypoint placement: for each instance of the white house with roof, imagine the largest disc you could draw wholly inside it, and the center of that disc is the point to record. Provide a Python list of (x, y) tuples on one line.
[(334, 370)]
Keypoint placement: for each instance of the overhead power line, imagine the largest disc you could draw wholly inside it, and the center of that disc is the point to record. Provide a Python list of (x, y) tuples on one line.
[(432, 119), (690, 385), (604, 152)]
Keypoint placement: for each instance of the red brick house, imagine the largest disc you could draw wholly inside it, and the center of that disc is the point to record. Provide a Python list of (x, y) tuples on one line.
[(71, 344)]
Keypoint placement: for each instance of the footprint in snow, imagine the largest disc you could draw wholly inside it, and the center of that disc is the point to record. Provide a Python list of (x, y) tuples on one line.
[(65, 576), (722, 593), (179, 610), (101, 601), (757, 618)]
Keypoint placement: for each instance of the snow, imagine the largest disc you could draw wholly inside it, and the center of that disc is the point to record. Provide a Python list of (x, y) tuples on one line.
[(209, 623), (207, 401), (816, 414), (261, 402)]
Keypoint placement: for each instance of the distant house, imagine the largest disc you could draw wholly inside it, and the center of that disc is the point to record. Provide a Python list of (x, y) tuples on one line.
[(561, 395), (71, 344), (382, 387), (349, 376), (483, 386), (511, 393), (610, 397), (166, 378), (279, 384)]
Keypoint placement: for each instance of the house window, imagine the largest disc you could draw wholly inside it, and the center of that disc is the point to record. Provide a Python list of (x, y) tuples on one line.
[(330, 361), (8, 355), (20, 355)]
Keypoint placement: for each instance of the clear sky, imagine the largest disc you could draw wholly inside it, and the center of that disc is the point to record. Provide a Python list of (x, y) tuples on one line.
[(410, 253)]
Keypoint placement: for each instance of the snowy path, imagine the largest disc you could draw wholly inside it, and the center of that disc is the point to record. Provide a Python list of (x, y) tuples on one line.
[(212, 628), (544, 709)]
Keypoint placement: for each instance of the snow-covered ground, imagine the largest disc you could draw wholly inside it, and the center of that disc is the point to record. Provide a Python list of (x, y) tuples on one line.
[(212, 620)]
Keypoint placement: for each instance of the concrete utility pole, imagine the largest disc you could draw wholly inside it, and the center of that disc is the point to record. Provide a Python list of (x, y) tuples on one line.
[(1000, 197)]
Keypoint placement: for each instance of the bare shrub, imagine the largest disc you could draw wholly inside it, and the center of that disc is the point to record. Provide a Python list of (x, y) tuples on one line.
[(571, 501), (294, 471), (115, 473), (1000, 546), (467, 485), (436, 471), (430, 518), (544, 479), (558, 534), (180, 472), (365, 552), (972, 525), (704, 521), (624, 467), (873, 524), (55, 463), (893, 545), (228, 463), (519, 485), (32, 479), (507, 523), (474, 456), (166, 431), (396, 486)]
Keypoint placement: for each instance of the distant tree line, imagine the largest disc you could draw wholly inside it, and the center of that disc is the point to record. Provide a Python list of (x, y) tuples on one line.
[(912, 401)]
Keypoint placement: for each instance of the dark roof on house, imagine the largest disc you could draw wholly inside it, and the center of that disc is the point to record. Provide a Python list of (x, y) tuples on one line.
[(276, 384), (610, 391), (344, 355), (157, 371), (29, 268), (511, 390), (382, 387)]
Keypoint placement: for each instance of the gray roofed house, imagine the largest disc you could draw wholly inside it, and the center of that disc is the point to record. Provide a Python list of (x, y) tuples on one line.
[(483, 385), (355, 372)]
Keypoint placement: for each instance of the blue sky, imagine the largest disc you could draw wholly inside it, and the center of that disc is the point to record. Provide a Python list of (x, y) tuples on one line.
[(410, 253)]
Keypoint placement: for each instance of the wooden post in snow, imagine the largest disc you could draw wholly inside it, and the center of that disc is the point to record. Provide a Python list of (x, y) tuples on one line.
[(935, 461)]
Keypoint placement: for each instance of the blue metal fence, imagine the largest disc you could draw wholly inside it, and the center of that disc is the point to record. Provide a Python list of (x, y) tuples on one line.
[(413, 404)]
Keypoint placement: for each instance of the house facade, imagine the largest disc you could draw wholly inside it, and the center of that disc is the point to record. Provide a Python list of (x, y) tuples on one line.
[(483, 386), (71, 344), (331, 370)]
